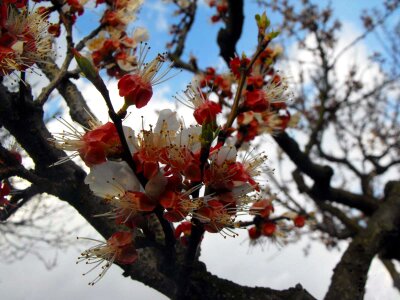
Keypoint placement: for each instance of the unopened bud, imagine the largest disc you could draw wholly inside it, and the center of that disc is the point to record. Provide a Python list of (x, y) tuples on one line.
[(86, 66)]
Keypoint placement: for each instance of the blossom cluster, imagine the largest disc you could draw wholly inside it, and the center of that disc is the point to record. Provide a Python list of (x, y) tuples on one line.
[(24, 40), (26, 36), (265, 225), (183, 170), (113, 48), (263, 105), (119, 248), (193, 175)]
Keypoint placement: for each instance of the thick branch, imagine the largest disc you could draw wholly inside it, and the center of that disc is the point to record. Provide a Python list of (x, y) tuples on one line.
[(204, 285), (302, 160), (364, 203), (229, 36), (322, 175), (73, 97), (350, 275)]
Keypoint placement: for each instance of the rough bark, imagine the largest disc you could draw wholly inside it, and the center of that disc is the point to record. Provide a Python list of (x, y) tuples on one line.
[(350, 275), (73, 97)]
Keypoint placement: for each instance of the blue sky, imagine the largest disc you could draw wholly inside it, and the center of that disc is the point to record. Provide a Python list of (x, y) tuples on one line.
[(157, 16)]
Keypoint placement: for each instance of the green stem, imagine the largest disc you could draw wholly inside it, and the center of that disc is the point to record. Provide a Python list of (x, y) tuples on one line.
[(243, 76)]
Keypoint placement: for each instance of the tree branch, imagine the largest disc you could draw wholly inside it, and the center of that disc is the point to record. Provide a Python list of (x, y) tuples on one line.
[(229, 36), (322, 175), (17, 201), (179, 38), (390, 267), (302, 160), (78, 108), (350, 275)]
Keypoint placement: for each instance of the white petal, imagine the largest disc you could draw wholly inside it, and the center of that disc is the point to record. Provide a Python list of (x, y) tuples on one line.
[(112, 179), (190, 137), (242, 189), (167, 120), (226, 153), (248, 117), (125, 65), (130, 137)]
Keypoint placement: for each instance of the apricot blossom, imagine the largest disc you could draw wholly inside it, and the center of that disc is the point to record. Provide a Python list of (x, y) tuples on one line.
[(119, 248)]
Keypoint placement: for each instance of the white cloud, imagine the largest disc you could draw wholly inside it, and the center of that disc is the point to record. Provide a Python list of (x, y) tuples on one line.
[(357, 55), (158, 12)]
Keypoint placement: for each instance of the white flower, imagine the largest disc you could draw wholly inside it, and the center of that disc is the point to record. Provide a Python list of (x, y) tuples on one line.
[(167, 122), (28, 40), (112, 179)]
